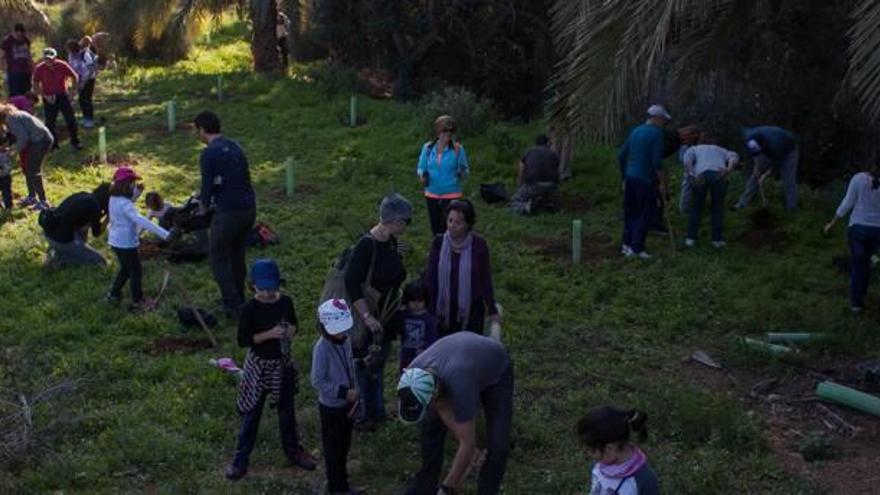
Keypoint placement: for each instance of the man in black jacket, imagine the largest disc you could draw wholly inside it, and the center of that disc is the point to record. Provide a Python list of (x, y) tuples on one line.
[(66, 227)]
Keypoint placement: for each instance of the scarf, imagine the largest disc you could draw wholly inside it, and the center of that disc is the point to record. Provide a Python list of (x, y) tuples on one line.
[(626, 468), (444, 275)]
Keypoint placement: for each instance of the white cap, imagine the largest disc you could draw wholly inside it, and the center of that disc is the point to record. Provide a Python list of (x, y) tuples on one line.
[(335, 316), (753, 146), (658, 111)]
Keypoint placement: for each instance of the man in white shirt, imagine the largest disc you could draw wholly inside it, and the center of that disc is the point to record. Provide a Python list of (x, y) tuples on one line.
[(707, 166)]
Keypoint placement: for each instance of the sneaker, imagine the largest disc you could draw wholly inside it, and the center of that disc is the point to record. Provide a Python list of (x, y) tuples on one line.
[(644, 255), (856, 309), (352, 490), (28, 201), (734, 207), (235, 473), (719, 244), (88, 123), (689, 243), (42, 206), (303, 460), (626, 250), (144, 306)]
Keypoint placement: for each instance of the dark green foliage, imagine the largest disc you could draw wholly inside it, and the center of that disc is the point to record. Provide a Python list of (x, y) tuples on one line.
[(472, 114)]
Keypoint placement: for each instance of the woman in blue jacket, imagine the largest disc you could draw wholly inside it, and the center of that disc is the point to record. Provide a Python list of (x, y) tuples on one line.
[(443, 165)]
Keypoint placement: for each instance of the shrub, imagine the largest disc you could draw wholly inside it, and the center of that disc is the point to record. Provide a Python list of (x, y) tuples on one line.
[(472, 114), (331, 79)]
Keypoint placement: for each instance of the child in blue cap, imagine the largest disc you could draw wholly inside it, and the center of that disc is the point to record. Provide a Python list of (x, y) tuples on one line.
[(267, 323)]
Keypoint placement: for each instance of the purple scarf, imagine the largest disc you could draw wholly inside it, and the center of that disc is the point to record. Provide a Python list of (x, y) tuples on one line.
[(626, 468), (444, 275)]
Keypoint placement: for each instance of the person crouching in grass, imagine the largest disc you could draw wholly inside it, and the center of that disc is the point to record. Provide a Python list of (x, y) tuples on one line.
[(265, 327), (333, 377), (123, 237)]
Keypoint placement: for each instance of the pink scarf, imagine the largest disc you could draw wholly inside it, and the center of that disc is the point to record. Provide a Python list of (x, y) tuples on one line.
[(626, 468)]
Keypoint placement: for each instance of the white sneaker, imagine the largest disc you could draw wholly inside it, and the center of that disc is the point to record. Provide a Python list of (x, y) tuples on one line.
[(719, 244), (689, 242), (88, 123), (626, 250), (644, 255)]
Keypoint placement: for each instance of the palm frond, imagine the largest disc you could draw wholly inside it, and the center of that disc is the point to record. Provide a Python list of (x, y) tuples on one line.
[(864, 55), (611, 51)]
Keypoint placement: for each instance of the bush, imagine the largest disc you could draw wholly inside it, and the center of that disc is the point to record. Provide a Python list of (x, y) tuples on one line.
[(472, 114), (331, 79)]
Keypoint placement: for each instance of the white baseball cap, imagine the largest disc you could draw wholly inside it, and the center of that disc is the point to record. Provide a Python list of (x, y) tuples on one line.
[(335, 316), (753, 146), (658, 111)]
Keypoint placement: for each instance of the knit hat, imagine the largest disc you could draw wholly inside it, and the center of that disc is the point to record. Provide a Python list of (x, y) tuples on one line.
[(415, 390)]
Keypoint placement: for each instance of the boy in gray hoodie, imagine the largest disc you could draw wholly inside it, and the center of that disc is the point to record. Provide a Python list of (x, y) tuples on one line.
[(333, 377)]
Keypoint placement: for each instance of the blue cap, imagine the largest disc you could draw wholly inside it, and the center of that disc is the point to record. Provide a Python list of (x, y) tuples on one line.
[(265, 274)]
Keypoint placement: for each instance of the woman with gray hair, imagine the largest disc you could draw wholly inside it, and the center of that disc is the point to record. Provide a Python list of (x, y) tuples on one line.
[(372, 281)]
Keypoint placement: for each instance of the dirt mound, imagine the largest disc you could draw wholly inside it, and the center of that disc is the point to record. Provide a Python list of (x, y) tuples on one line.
[(594, 247), (569, 202), (764, 232), (299, 192), (176, 345)]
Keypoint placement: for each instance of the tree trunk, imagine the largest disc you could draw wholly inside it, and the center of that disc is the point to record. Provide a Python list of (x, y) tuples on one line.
[(264, 43)]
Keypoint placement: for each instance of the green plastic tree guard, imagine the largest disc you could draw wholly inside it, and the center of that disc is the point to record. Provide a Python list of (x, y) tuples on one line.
[(352, 106), (291, 185), (793, 337), (172, 115), (849, 397), (576, 226), (764, 346), (102, 144)]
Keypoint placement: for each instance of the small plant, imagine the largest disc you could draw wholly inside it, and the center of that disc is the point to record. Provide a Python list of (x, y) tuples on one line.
[(331, 79), (817, 447), (472, 114)]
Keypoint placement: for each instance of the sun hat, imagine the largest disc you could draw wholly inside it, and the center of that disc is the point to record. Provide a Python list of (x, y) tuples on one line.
[(658, 111), (335, 316), (415, 391), (49, 52), (265, 274), (124, 174)]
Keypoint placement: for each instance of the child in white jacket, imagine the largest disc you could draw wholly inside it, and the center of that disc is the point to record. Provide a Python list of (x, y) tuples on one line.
[(123, 237)]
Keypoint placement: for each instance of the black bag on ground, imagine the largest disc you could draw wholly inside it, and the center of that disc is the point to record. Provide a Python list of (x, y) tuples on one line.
[(187, 317), (493, 193)]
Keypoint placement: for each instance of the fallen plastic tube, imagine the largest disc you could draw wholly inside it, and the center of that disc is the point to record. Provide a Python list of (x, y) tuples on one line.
[(849, 397), (764, 346), (793, 337)]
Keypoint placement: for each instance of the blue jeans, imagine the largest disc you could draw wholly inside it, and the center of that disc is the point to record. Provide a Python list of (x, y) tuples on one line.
[(371, 385), (864, 242), (250, 423), (639, 210), (709, 183)]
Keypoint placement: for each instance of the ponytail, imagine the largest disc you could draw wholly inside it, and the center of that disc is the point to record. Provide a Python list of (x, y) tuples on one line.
[(636, 420)]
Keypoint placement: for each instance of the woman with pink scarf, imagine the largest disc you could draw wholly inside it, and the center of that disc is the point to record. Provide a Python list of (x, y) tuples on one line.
[(621, 468), (458, 276)]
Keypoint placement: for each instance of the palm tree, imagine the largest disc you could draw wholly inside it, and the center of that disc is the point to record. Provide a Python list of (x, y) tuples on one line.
[(28, 7), (613, 51)]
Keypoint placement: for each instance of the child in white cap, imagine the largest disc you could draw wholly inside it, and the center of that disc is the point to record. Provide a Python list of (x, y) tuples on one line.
[(333, 377)]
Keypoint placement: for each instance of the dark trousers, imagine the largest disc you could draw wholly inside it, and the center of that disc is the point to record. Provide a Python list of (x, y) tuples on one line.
[(283, 51), (639, 207), (85, 100), (437, 214), (228, 240), (709, 183), (62, 104), (33, 170), (129, 268), (19, 83), (336, 442), (864, 242), (476, 319), (371, 384), (498, 408), (250, 424), (6, 190)]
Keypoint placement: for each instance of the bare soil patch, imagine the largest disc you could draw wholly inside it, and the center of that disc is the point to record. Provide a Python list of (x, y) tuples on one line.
[(300, 191), (113, 160), (176, 345), (796, 418), (764, 232), (594, 247), (573, 203)]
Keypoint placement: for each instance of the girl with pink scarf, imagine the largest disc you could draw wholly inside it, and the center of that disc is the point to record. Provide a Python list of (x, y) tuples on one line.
[(621, 468)]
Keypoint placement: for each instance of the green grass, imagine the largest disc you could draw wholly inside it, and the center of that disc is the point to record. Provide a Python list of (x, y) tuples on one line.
[(168, 423)]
